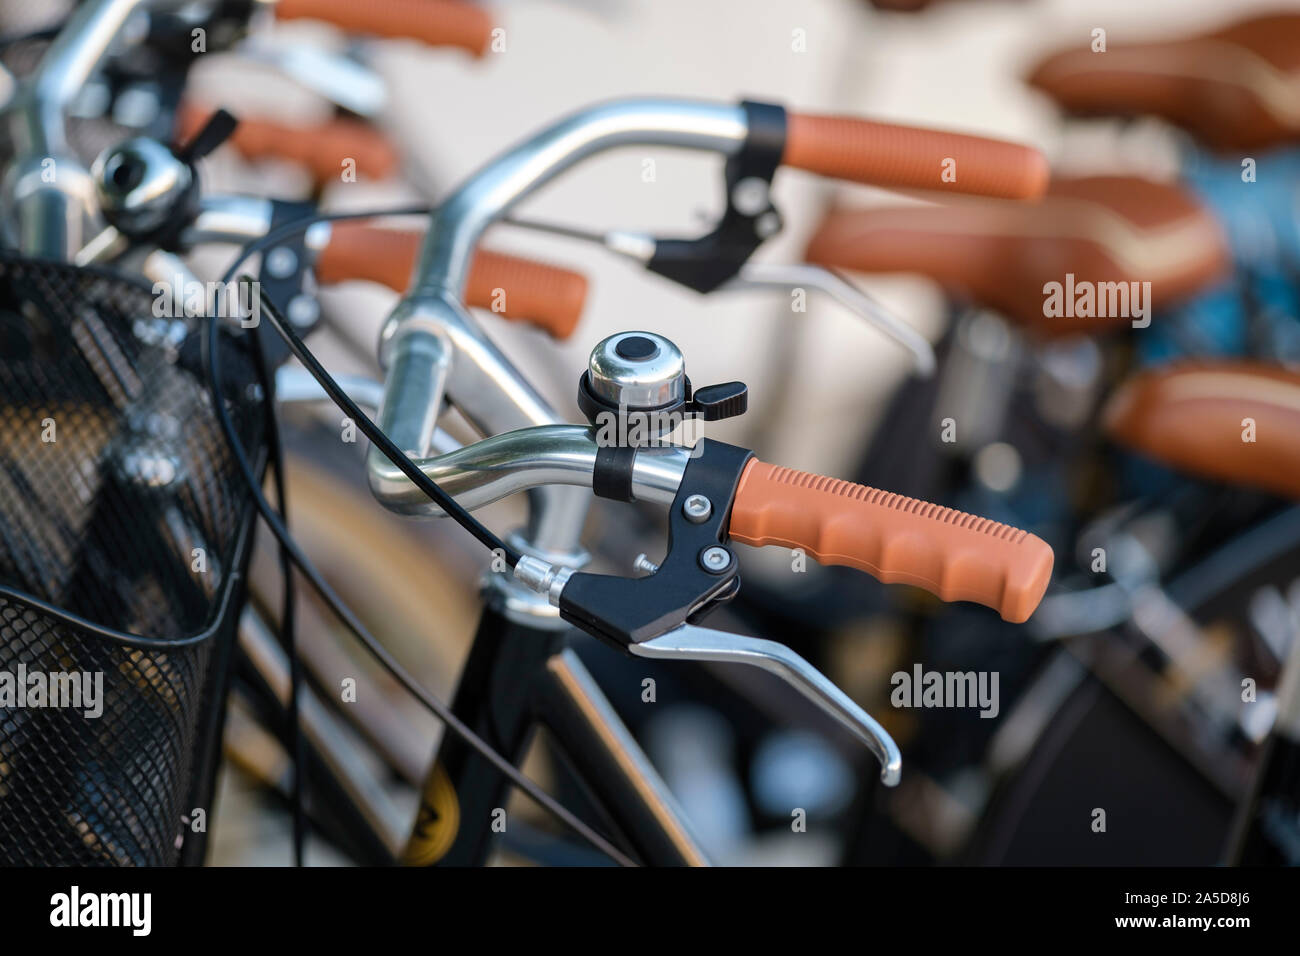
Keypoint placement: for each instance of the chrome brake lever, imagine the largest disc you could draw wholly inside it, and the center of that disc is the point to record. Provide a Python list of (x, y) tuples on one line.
[(336, 76), (640, 248), (689, 642), (765, 275)]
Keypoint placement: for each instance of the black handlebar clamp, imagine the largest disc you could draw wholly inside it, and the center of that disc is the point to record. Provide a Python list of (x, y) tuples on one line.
[(707, 262), (698, 573)]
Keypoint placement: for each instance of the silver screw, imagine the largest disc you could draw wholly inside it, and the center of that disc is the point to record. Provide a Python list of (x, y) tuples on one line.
[(697, 509), (281, 262), (749, 196), (715, 559), (768, 224), (303, 310), (644, 565)]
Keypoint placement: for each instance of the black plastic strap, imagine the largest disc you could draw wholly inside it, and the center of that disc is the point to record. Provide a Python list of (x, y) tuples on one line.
[(612, 477), (764, 144)]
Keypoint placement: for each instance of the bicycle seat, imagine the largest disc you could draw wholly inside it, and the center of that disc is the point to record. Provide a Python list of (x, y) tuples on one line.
[(1099, 229), (1235, 88), (1190, 416)]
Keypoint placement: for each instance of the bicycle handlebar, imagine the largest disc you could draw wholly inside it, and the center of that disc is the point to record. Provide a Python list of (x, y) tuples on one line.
[(546, 296), (430, 321), (957, 556), (433, 22), (899, 540)]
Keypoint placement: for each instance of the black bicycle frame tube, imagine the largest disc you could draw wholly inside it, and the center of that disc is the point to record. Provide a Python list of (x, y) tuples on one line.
[(516, 678)]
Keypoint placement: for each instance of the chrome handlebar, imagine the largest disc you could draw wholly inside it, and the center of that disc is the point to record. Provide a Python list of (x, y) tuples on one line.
[(496, 467), (434, 349), (490, 193)]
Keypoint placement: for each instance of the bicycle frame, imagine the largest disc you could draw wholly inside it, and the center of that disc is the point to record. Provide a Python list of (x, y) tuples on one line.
[(521, 672), (518, 677)]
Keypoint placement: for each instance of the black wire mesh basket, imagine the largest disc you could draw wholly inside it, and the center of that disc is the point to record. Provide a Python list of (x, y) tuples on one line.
[(124, 536)]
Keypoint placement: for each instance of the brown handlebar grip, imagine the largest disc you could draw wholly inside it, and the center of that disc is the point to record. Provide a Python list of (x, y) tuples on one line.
[(883, 154), (434, 22), (957, 556), (546, 296), (322, 149)]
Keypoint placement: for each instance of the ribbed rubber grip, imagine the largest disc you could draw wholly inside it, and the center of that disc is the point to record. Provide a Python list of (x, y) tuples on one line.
[(543, 295), (883, 154), (958, 556), (322, 148), (434, 22)]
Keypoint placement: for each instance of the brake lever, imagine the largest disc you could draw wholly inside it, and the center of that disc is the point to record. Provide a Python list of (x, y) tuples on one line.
[(762, 275), (338, 77), (641, 249), (690, 642)]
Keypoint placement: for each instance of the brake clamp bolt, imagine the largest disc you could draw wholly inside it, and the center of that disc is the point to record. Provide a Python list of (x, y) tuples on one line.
[(697, 509), (715, 559)]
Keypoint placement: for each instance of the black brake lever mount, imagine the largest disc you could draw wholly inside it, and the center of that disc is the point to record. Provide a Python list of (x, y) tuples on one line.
[(697, 575), (709, 261)]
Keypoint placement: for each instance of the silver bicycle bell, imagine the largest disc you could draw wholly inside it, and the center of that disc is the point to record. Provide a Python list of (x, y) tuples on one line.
[(637, 381), (139, 182)]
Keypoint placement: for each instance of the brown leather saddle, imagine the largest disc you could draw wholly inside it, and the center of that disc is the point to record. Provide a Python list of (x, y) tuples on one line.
[(1229, 420), (1235, 88), (1003, 255)]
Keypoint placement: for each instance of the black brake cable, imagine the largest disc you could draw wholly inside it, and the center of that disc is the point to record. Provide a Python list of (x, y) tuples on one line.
[(394, 454), (312, 574), (297, 744)]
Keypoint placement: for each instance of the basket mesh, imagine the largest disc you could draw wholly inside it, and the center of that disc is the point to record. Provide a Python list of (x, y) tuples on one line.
[(121, 504)]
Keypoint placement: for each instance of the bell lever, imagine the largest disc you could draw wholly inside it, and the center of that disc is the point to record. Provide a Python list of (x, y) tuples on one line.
[(215, 131)]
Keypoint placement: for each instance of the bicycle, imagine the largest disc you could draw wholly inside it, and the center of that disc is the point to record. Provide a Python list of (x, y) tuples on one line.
[(635, 383)]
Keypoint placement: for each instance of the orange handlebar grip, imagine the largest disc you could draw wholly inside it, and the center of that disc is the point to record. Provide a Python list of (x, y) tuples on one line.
[(546, 296), (540, 294), (322, 148), (957, 556), (433, 22), (883, 154)]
